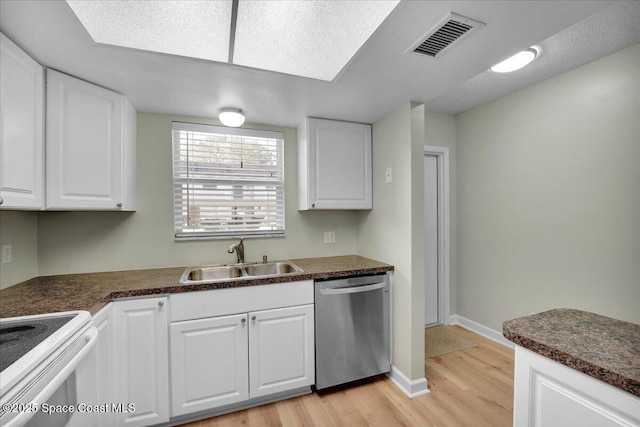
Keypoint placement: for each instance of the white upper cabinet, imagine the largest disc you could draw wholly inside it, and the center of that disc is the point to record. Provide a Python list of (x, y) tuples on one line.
[(21, 129), (91, 134), (334, 165)]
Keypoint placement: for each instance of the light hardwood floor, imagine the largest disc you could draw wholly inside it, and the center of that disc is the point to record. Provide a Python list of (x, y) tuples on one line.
[(471, 387)]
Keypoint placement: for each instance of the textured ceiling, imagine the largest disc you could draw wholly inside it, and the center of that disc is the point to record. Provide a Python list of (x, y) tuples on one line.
[(377, 80), (612, 29)]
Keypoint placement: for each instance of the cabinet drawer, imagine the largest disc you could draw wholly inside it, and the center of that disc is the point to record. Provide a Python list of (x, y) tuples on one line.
[(221, 302)]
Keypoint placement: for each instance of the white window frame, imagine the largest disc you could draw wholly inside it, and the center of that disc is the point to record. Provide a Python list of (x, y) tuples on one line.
[(181, 176)]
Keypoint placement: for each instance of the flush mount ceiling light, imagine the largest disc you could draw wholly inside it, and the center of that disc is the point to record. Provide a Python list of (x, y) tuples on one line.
[(516, 62), (232, 117), (314, 39)]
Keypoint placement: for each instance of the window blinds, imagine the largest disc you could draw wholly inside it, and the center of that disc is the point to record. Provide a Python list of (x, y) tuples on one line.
[(228, 182)]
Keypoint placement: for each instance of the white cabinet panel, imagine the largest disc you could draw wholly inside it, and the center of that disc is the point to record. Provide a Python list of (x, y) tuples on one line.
[(281, 355), (549, 394), (208, 363), (21, 129), (221, 302), (88, 146), (104, 363), (334, 165), (140, 361)]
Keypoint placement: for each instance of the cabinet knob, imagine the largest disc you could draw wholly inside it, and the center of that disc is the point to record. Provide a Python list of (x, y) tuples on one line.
[(243, 320), (253, 318), (160, 303), (119, 205), (1, 200), (313, 205)]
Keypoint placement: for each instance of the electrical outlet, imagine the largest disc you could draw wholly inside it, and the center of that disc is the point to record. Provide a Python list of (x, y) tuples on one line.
[(329, 236), (388, 175), (6, 254)]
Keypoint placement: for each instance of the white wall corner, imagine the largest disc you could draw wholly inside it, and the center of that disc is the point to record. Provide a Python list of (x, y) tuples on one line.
[(479, 329), (412, 388)]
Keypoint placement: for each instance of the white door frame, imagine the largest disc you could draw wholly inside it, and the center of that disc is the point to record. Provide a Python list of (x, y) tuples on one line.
[(442, 155)]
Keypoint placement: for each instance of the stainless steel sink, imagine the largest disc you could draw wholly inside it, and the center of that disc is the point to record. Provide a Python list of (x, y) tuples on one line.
[(214, 273), (220, 273), (271, 268)]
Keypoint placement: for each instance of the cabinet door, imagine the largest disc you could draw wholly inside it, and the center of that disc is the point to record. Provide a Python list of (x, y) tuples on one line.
[(21, 129), (339, 165), (550, 394), (281, 355), (140, 362), (208, 363), (84, 144)]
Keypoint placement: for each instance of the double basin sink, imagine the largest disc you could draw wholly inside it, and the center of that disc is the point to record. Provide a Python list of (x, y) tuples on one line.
[(220, 273)]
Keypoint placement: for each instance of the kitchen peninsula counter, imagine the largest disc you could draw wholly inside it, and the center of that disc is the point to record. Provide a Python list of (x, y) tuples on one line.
[(601, 347), (91, 291)]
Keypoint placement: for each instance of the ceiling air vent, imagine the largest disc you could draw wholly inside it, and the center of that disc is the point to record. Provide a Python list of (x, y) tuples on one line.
[(440, 38)]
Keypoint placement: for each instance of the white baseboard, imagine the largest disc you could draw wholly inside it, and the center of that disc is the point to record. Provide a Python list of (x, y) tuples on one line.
[(480, 330), (412, 388)]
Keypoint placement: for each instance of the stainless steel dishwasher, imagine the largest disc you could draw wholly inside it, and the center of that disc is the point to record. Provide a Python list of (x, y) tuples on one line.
[(352, 329)]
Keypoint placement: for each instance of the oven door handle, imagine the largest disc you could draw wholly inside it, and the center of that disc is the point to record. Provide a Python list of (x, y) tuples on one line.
[(352, 289), (21, 419)]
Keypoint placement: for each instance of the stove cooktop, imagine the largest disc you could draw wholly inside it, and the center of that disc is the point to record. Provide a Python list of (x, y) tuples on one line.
[(19, 337)]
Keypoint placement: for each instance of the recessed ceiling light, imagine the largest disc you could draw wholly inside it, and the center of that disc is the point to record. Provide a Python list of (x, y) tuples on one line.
[(232, 117), (516, 62), (313, 39)]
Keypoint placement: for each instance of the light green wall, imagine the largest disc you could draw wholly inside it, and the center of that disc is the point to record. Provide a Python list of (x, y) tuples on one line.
[(417, 233), (549, 197), (391, 232), (19, 229), (440, 131), (71, 242)]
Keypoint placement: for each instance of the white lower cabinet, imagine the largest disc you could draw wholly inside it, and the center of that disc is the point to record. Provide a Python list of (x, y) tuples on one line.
[(231, 358), (209, 363), (140, 362), (235, 346), (281, 350), (549, 394)]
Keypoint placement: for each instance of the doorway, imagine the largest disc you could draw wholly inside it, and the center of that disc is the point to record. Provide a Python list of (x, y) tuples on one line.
[(436, 210)]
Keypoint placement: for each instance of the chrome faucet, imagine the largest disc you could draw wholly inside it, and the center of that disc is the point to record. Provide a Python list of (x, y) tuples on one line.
[(238, 248)]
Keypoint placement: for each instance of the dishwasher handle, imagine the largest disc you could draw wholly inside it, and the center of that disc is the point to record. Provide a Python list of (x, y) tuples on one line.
[(352, 289)]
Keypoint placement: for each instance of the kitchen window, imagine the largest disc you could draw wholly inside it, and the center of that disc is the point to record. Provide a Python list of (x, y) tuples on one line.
[(227, 182)]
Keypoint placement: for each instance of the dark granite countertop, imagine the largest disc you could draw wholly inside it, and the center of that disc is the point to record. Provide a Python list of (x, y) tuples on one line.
[(91, 291), (604, 348)]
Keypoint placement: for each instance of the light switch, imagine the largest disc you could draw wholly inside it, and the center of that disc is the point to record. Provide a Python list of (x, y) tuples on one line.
[(388, 177)]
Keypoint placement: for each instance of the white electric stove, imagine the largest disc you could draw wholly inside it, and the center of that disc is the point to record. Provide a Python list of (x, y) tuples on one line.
[(38, 355)]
